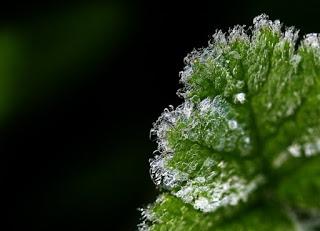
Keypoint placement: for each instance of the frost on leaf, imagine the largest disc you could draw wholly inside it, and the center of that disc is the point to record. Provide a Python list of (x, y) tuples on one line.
[(247, 133), (171, 214), (204, 155)]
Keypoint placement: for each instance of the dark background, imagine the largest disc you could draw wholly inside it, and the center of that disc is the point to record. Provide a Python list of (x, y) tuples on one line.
[(81, 84)]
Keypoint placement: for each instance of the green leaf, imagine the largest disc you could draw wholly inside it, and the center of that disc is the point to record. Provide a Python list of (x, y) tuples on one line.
[(255, 219), (245, 143), (301, 189), (170, 213)]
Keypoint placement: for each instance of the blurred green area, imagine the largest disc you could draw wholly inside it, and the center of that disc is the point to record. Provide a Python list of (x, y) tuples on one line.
[(40, 56)]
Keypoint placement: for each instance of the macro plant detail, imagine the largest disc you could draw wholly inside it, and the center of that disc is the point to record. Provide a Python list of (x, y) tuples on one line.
[(243, 151)]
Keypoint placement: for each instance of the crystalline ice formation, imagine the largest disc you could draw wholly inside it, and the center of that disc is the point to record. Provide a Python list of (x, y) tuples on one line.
[(163, 175), (312, 40), (215, 193), (240, 98), (167, 121), (251, 106), (215, 185), (212, 123), (306, 145)]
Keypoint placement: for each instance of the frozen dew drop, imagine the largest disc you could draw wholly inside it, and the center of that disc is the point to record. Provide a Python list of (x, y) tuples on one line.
[(222, 164), (208, 162), (280, 159), (309, 149), (247, 140), (200, 179), (317, 144), (233, 124), (239, 98), (240, 84), (296, 60), (203, 204), (205, 105), (294, 150), (312, 40)]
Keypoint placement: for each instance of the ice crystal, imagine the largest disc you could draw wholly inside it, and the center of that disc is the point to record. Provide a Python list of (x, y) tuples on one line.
[(240, 98)]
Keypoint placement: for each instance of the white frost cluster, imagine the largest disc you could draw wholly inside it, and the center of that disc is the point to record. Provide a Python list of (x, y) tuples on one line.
[(164, 176), (219, 45), (233, 124), (263, 21), (213, 106), (211, 122), (240, 98), (216, 128), (146, 216), (208, 193), (231, 192), (312, 40), (219, 129), (296, 150), (166, 121)]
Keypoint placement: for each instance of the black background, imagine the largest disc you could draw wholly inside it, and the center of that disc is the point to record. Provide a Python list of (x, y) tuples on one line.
[(78, 158)]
